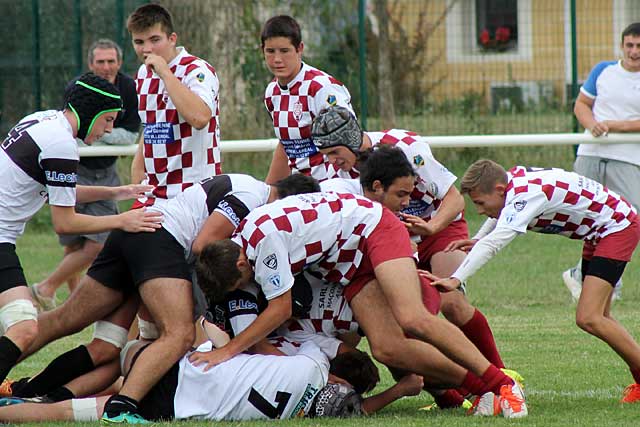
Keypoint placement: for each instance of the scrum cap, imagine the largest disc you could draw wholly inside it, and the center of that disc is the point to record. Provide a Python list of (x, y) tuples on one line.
[(336, 126)]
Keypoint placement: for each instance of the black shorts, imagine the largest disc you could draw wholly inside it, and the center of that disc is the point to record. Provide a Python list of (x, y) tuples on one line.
[(130, 259), (157, 405), (11, 274)]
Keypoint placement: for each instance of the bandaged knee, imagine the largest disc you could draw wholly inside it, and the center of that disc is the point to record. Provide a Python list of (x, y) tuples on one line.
[(85, 409), (148, 330), (15, 312), (111, 333)]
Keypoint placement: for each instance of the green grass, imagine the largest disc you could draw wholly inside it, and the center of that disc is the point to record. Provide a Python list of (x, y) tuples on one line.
[(571, 377)]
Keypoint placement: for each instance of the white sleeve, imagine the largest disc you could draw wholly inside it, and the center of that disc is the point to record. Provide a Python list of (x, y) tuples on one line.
[(272, 266), (205, 84), (436, 177), (483, 251), (329, 95), (487, 227)]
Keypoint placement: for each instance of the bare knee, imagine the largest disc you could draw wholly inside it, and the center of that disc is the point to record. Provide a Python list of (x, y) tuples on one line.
[(417, 324), (102, 351), (386, 354), (588, 322), (456, 308), (182, 334), (23, 334)]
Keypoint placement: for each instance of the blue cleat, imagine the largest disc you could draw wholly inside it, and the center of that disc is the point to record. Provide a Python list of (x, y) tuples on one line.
[(123, 418)]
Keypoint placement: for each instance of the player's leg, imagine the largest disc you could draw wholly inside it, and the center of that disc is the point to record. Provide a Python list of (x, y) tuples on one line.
[(88, 409)]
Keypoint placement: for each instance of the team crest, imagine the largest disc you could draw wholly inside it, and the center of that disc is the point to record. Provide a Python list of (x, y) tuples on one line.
[(331, 100), (275, 280), (271, 261), (418, 160), (297, 111), (519, 205), (200, 77)]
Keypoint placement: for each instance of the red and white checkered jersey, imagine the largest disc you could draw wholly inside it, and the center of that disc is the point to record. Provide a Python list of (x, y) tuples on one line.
[(555, 201), (330, 315), (433, 179), (293, 108), (38, 164), (176, 154), (325, 232)]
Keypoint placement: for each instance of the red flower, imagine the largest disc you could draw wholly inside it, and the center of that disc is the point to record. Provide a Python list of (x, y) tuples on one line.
[(485, 38), (503, 34)]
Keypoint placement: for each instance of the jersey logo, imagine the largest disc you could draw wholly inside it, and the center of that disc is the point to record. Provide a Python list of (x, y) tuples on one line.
[(271, 261), (275, 280), (200, 77), (331, 100), (297, 111), (519, 205), (418, 160)]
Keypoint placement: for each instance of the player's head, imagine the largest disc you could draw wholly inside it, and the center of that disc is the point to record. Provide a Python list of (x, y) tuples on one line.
[(387, 176), (95, 104), (151, 29), (631, 47), (337, 134), (282, 47), (485, 182), (296, 184), (336, 400), (357, 368), (105, 59), (220, 268)]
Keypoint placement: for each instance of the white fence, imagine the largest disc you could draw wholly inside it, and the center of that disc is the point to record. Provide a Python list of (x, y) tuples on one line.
[(257, 145)]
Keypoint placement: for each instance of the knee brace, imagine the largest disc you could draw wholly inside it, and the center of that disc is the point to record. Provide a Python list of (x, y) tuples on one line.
[(16, 311), (111, 333)]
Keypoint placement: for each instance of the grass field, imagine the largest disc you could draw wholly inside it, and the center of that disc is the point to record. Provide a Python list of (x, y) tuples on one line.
[(571, 378)]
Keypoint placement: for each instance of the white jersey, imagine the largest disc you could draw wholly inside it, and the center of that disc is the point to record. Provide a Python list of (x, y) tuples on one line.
[(176, 154), (554, 201), (616, 96), (433, 180), (293, 108), (232, 195), (342, 185), (249, 387), (325, 232), (330, 316), (38, 163)]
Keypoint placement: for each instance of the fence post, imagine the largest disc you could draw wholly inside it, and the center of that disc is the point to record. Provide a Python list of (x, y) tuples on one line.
[(35, 18), (77, 36), (362, 58), (574, 61)]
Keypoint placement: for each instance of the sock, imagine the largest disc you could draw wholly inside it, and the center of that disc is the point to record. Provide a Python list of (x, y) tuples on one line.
[(60, 394), (119, 404), (60, 371), (9, 355), (449, 399), (479, 333), (494, 378), (473, 384), (636, 374)]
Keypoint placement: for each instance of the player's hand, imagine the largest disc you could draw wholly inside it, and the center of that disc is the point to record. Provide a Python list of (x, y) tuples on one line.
[(137, 220), (446, 285), (210, 358), (463, 245), (600, 129), (157, 64), (131, 191), (417, 225), (410, 385)]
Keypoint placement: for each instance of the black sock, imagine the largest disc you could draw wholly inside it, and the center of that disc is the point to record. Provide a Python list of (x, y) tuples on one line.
[(60, 371), (119, 404), (60, 394), (9, 355)]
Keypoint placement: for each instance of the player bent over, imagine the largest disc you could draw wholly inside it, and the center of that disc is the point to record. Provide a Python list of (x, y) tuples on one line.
[(554, 201), (353, 241), (38, 164)]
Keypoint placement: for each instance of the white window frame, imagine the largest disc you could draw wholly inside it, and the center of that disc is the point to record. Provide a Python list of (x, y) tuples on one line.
[(462, 45), (625, 12)]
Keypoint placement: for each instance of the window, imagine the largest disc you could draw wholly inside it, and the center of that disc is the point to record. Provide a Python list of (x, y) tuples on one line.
[(497, 24)]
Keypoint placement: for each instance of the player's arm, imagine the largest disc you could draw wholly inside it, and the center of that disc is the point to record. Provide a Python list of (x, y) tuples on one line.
[(452, 204), (92, 193), (189, 105), (409, 385), (65, 220), (279, 168), (137, 164), (623, 125), (216, 227)]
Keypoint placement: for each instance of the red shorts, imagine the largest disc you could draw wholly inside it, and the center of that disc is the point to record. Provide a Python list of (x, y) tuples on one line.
[(431, 245), (618, 246), (389, 240), (430, 296)]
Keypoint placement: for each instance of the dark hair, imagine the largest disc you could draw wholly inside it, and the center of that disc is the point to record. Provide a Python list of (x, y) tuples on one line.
[(631, 30), (383, 163), (148, 15), (357, 368), (296, 184), (282, 26), (216, 268)]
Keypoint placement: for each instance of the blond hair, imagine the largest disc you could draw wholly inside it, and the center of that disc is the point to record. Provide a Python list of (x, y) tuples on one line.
[(482, 176)]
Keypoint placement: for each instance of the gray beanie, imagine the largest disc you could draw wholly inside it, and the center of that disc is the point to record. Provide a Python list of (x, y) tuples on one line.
[(336, 126)]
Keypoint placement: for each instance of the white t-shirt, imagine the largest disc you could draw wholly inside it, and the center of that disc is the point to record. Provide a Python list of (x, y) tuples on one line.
[(249, 387), (38, 164), (616, 95)]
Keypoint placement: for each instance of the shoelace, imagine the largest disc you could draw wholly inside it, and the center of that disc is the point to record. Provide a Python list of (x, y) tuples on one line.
[(515, 402)]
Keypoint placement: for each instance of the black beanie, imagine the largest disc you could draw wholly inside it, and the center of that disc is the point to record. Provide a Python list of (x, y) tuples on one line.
[(89, 97)]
